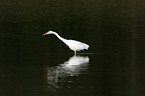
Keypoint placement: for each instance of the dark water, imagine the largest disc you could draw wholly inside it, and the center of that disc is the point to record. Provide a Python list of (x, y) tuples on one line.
[(32, 65)]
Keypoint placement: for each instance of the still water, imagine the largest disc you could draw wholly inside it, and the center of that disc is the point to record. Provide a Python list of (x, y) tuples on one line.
[(32, 65), (42, 73)]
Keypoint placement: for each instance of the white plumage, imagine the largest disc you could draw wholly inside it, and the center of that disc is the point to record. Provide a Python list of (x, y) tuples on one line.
[(72, 44)]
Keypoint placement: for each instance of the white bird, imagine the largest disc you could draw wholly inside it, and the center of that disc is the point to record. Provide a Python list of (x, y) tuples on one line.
[(72, 44)]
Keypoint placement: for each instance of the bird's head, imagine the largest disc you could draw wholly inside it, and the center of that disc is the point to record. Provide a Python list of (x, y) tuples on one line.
[(49, 32)]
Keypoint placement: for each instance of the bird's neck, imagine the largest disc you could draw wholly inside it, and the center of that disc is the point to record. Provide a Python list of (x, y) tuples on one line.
[(59, 37)]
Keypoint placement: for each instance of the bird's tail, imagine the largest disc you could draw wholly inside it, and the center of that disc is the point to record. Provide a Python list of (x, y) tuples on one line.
[(86, 46)]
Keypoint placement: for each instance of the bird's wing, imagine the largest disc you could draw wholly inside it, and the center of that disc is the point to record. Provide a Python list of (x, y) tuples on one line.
[(73, 44)]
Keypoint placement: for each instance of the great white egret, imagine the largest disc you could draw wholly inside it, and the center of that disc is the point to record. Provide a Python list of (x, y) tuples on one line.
[(72, 44)]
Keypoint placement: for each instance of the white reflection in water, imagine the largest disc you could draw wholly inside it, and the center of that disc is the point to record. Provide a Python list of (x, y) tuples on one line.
[(73, 67)]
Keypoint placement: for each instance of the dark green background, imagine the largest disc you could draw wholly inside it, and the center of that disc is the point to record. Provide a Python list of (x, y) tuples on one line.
[(114, 29)]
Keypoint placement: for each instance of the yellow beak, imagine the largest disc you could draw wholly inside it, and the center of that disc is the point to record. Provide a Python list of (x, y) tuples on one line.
[(44, 34)]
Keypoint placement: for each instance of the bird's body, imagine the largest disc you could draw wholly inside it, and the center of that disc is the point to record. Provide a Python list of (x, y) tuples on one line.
[(76, 45), (72, 44)]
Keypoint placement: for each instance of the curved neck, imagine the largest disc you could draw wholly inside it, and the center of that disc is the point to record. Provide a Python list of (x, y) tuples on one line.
[(59, 36)]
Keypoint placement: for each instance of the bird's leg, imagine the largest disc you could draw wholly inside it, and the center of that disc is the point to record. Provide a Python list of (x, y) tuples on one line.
[(75, 53)]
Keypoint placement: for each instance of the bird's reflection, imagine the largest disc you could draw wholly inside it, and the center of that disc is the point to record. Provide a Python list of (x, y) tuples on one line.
[(73, 67)]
